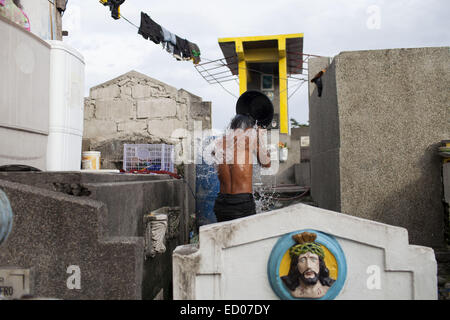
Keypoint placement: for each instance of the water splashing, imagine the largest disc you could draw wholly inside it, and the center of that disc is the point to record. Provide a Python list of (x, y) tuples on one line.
[(262, 191)]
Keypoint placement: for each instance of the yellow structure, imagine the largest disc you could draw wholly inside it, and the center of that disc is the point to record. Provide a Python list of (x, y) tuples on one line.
[(261, 57)]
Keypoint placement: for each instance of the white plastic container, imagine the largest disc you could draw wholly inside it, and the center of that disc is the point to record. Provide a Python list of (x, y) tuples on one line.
[(283, 154), (66, 108)]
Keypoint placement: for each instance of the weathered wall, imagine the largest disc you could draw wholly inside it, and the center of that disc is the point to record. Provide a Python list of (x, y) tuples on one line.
[(135, 108), (233, 258), (381, 115), (324, 137), (286, 171), (302, 170), (302, 134)]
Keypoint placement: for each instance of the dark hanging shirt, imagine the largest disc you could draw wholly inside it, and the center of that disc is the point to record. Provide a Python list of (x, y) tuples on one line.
[(149, 29), (183, 46)]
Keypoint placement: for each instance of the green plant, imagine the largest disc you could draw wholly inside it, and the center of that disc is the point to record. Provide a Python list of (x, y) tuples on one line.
[(295, 124)]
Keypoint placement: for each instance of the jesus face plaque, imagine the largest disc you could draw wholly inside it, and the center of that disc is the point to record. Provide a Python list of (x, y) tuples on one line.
[(307, 264)]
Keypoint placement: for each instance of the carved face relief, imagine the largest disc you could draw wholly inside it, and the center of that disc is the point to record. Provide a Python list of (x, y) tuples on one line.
[(308, 276), (310, 265), (309, 268)]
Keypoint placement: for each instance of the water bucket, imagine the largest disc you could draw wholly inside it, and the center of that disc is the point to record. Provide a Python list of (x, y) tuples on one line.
[(91, 160), (256, 104)]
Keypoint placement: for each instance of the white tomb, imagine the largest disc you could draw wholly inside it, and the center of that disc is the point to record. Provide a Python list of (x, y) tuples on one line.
[(244, 258)]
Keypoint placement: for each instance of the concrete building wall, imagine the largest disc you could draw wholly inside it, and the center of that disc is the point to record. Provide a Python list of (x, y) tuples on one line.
[(374, 137), (286, 170), (302, 170), (134, 108), (324, 137)]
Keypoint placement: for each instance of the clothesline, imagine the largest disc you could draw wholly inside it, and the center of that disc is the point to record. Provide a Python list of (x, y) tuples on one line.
[(121, 15), (180, 48)]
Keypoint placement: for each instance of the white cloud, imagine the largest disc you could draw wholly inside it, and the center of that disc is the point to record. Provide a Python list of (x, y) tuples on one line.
[(113, 47)]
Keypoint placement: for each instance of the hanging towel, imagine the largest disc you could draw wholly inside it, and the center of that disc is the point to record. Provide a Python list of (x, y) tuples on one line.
[(169, 47), (168, 39), (169, 36), (166, 34), (317, 79), (149, 29)]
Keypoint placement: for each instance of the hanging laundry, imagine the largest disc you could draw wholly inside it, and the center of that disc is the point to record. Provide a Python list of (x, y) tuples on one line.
[(195, 52), (183, 46), (177, 53), (170, 48), (149, 29), (114, 6), (169, 36), (181, 49), (317, 79), (169, 42)]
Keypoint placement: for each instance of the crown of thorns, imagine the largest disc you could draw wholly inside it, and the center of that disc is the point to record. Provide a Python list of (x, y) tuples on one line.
[(305, 244)]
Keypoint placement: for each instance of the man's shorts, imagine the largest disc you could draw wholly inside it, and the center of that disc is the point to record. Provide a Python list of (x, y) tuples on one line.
[(234, 206)]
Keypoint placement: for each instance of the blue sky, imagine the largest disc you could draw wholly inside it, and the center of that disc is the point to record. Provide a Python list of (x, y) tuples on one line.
[(112, 47)]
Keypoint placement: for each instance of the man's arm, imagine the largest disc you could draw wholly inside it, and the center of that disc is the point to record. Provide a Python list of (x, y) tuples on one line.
[(263, 154)]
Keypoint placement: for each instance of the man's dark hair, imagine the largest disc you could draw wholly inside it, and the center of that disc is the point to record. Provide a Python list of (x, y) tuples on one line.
[(292, 280), (242, 121), (18, 4)]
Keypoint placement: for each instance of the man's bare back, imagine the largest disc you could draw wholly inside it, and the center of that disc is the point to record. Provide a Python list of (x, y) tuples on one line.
[(235, 159), (233, 154)]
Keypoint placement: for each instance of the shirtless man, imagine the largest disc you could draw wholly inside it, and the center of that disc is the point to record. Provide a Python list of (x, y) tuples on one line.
[(234, 158)]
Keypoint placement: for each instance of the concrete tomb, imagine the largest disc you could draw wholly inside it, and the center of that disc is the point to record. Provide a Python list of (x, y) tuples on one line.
[(303, 252), (84, 236)]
